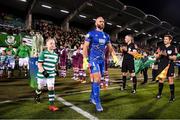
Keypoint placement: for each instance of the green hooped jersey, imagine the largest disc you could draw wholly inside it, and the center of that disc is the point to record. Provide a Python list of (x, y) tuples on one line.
[(49, 61), (2, 58)]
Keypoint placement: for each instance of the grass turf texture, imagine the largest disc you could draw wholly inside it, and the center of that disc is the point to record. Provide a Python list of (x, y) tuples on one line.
[(117, 104)]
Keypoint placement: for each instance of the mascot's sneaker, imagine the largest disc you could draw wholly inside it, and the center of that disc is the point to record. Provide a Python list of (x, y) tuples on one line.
[(53, 108)]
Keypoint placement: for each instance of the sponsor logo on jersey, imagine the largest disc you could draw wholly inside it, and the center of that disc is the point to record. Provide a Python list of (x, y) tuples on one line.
[(102, 41)]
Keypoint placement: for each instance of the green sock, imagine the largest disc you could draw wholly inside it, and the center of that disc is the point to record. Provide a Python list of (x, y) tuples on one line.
[(51, 95)]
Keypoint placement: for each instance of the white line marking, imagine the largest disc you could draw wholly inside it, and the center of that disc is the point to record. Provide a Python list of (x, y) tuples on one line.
[(10, 101), (64, 94), (6, 101), (77, 109), (86, 91)]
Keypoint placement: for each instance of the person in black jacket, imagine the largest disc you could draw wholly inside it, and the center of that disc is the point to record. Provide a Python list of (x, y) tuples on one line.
[(128, 62), (166, 54)]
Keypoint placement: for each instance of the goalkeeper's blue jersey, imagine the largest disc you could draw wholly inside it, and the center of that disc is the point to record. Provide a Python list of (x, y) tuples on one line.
[(98, 40)]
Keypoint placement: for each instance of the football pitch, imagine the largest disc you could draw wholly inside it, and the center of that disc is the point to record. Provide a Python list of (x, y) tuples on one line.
[(16, 100)]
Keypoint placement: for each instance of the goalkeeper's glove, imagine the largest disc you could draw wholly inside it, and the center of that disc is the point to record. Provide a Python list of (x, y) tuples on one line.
[(45, 74), (115, 60), (137, 56), (85, 63)]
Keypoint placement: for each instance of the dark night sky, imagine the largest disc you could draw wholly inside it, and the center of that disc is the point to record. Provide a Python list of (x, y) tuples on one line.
[(165, 10)]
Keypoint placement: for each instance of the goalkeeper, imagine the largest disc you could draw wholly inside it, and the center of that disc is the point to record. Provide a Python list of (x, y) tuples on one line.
[(46, 73), (94, 51)]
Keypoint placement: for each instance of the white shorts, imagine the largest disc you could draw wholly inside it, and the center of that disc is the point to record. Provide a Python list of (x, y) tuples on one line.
[(24, 61), (11, 65), (46, 81), (2, 66)]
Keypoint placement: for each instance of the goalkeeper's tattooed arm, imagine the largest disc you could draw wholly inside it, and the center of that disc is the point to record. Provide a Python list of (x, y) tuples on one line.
[(85, 49)]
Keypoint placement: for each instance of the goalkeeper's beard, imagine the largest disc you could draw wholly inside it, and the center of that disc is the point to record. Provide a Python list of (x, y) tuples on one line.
[(100, 27)]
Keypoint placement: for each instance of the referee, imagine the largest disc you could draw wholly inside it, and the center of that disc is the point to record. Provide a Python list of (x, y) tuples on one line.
[(128, 62), (166, 55)]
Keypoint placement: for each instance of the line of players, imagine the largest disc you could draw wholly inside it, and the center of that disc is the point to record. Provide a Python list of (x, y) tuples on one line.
[(9, 57), (7, 63), (79, 74)]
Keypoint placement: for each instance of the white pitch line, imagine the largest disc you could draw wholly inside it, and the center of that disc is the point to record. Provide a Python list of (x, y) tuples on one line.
[(77, 109), (66, 94), (6, 101), (87, 91)]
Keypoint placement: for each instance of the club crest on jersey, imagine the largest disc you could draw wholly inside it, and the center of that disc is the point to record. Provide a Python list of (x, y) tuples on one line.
[(169, 52), (129, 49), (10, 40), (102, 41)]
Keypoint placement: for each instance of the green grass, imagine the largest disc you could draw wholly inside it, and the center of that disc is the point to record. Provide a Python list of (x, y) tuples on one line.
[(117, 104), (30, 110)]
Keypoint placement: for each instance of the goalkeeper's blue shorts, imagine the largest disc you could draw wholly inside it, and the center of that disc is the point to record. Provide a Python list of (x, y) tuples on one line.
[(97, 69)]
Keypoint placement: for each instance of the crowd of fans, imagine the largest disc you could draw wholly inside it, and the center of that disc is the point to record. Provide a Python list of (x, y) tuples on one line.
[(71, 38)]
